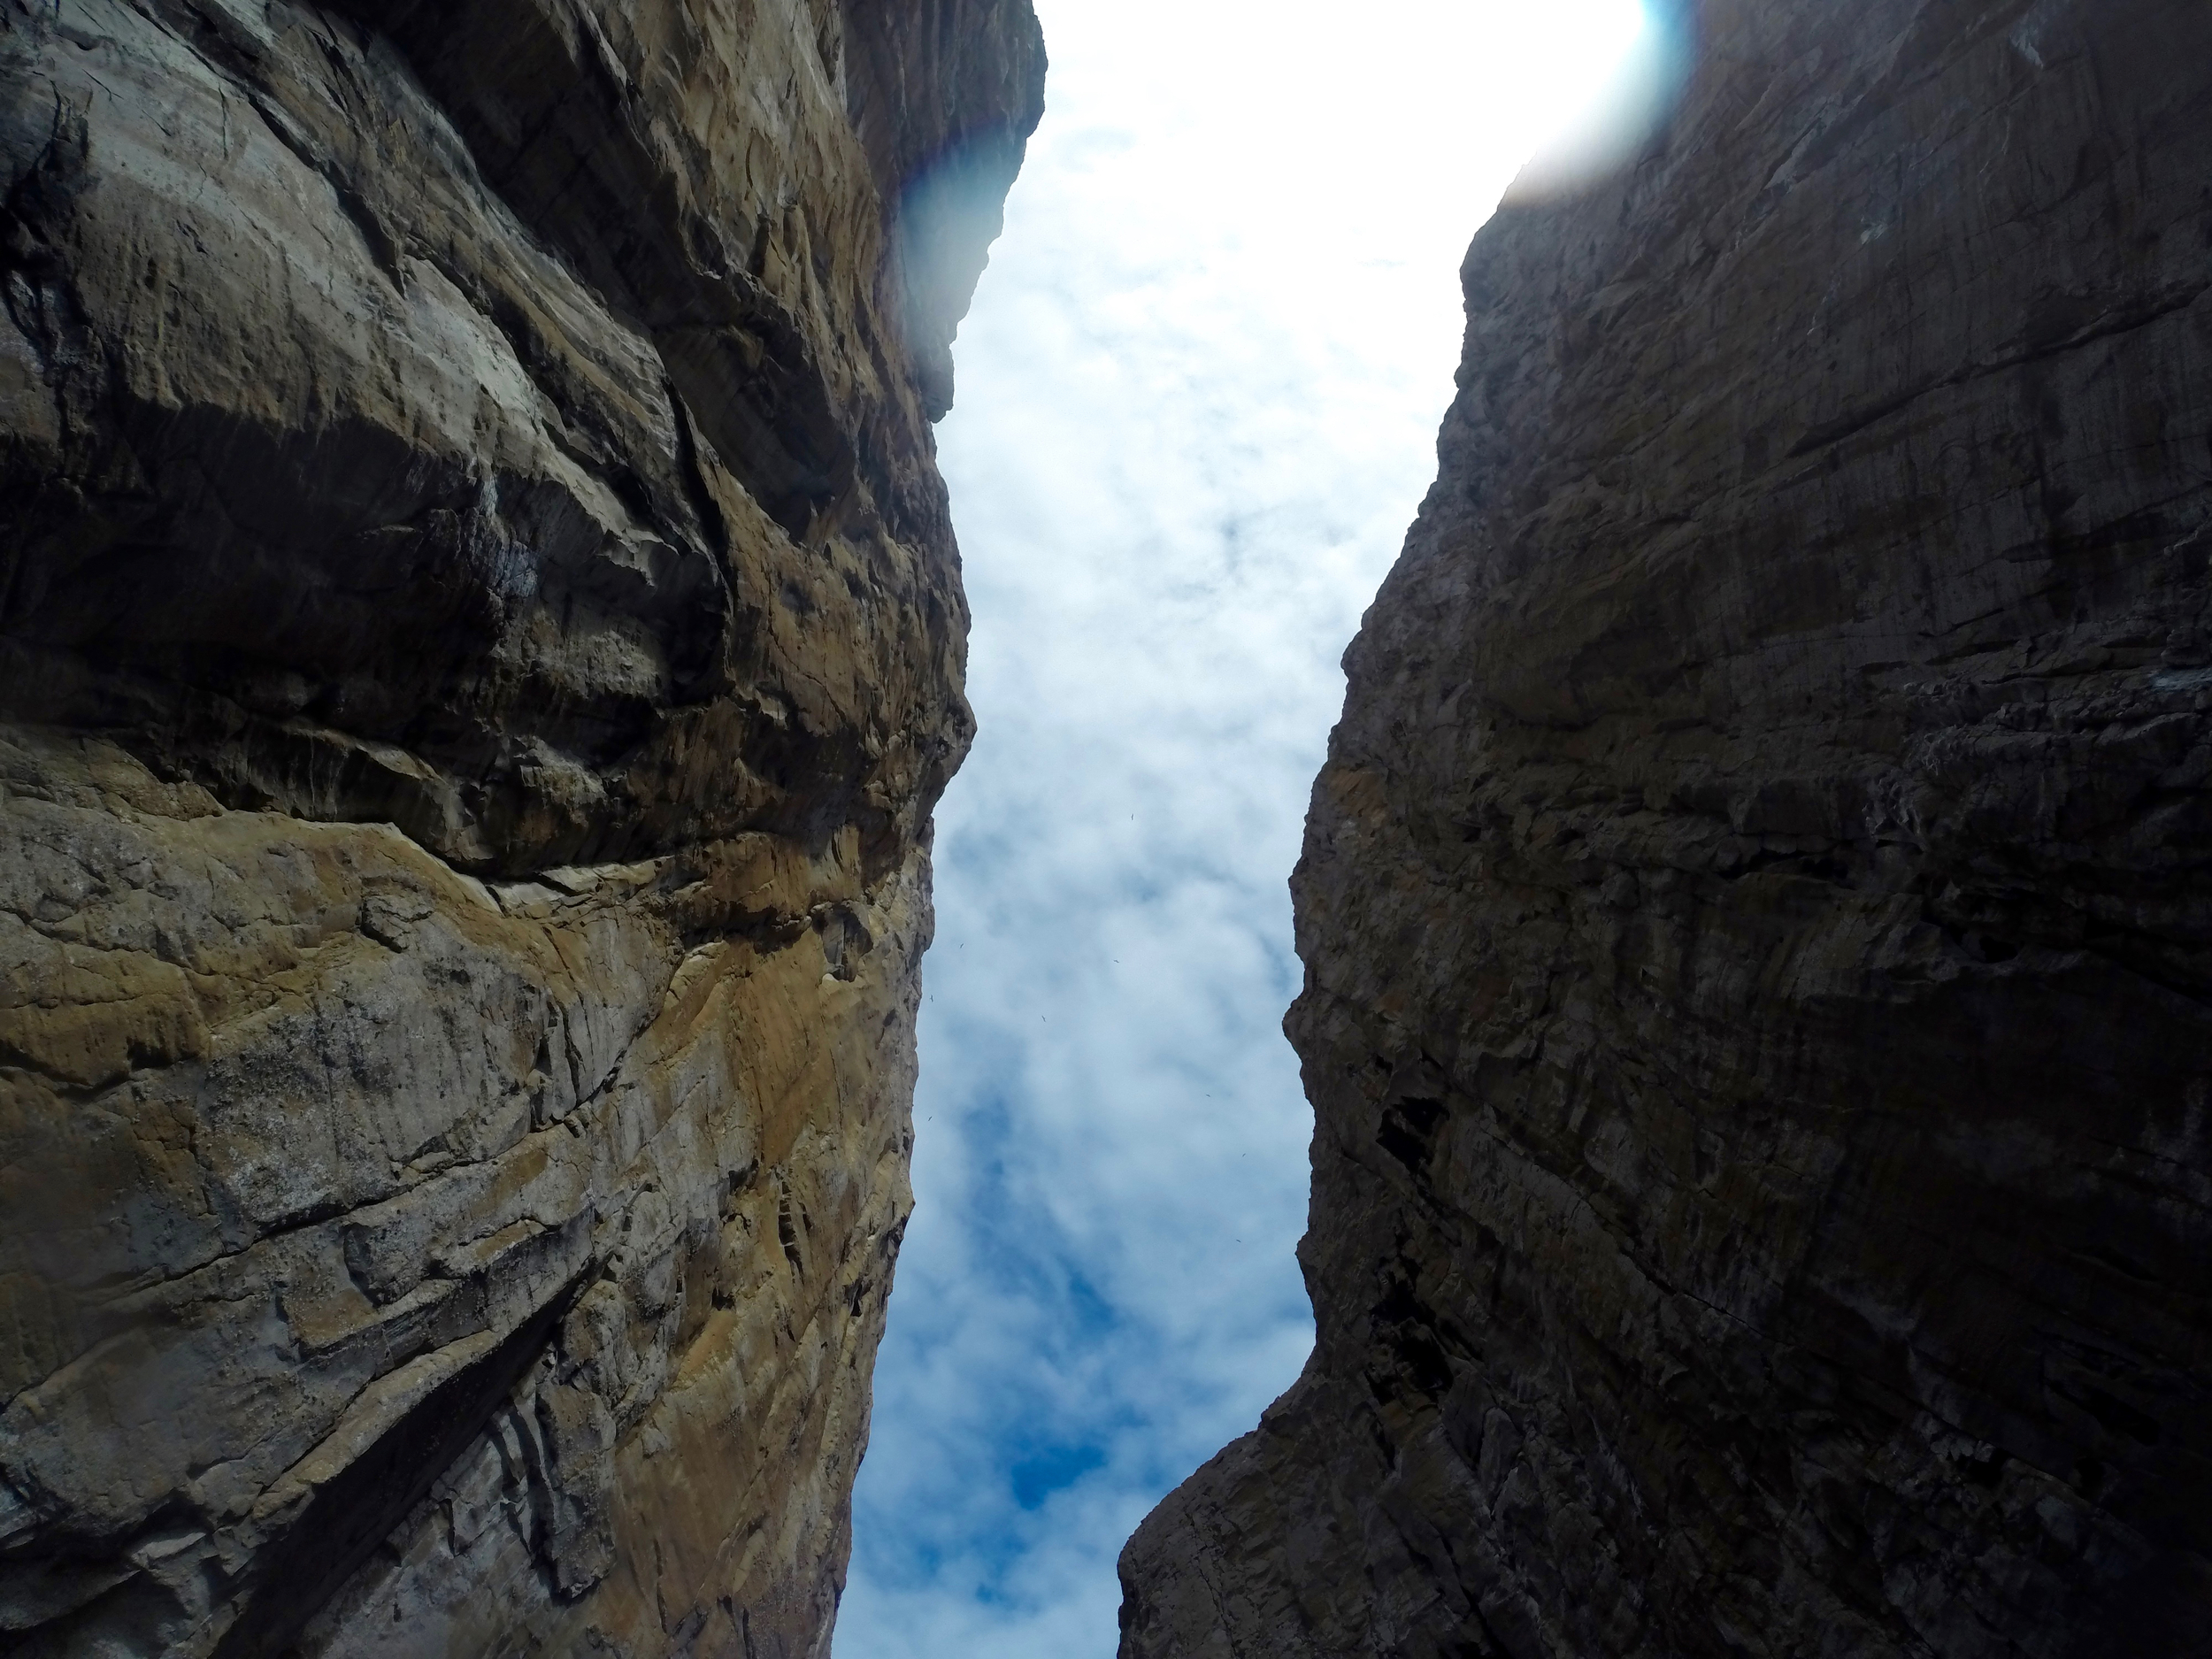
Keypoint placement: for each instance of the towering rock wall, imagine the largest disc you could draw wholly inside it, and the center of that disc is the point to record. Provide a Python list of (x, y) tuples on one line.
[(480, 639), (1756, 909)]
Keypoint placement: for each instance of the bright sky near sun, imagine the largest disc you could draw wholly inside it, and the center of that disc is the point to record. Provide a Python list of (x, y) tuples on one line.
[(1198, 395)]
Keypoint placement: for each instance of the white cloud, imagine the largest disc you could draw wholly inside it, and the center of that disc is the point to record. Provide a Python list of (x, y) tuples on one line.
[(1197, 400)]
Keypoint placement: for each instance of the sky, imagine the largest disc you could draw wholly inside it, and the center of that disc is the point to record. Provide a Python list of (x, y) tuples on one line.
[(1197, 400)]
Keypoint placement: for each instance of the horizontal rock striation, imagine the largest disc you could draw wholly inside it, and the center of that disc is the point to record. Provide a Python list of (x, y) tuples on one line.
[(1757, 912), (481, 641)]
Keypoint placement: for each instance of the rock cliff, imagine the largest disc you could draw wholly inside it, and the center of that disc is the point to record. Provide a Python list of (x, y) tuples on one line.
[(1756, 911), (480, 640)]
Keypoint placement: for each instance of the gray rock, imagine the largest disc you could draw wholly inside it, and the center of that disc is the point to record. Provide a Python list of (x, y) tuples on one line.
[(481, 641), (1758, 1008)]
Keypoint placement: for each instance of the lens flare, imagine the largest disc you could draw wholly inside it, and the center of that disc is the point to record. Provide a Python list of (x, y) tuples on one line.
[(1627, 108)]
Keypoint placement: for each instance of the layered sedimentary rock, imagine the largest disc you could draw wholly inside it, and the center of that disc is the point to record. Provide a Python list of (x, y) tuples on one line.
[(480, 639), (1756, 911)]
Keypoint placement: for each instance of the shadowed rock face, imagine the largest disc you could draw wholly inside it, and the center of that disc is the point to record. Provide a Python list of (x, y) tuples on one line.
[(1758, 932), (480, 640)]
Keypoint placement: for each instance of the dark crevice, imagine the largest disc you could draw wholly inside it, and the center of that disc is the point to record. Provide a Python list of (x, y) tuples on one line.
[(2120, 321), (1409, 1131), (355, 1511)]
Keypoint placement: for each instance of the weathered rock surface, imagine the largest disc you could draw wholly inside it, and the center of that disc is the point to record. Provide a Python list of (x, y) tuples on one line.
[(480, 640), (1756, 909)]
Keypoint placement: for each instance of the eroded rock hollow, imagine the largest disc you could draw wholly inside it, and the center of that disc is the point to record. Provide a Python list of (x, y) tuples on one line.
[(1757, 911), (480, 639)]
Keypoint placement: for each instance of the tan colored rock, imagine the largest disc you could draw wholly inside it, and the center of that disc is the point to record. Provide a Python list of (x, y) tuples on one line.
[(1758, 1008), (480, 640)]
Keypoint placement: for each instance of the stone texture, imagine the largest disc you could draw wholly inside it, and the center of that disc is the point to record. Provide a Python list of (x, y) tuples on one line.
[(480, 640), (1758, 930)]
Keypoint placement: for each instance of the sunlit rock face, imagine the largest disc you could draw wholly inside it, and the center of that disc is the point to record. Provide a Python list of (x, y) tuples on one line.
[(1758, 930), (480, 640)]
